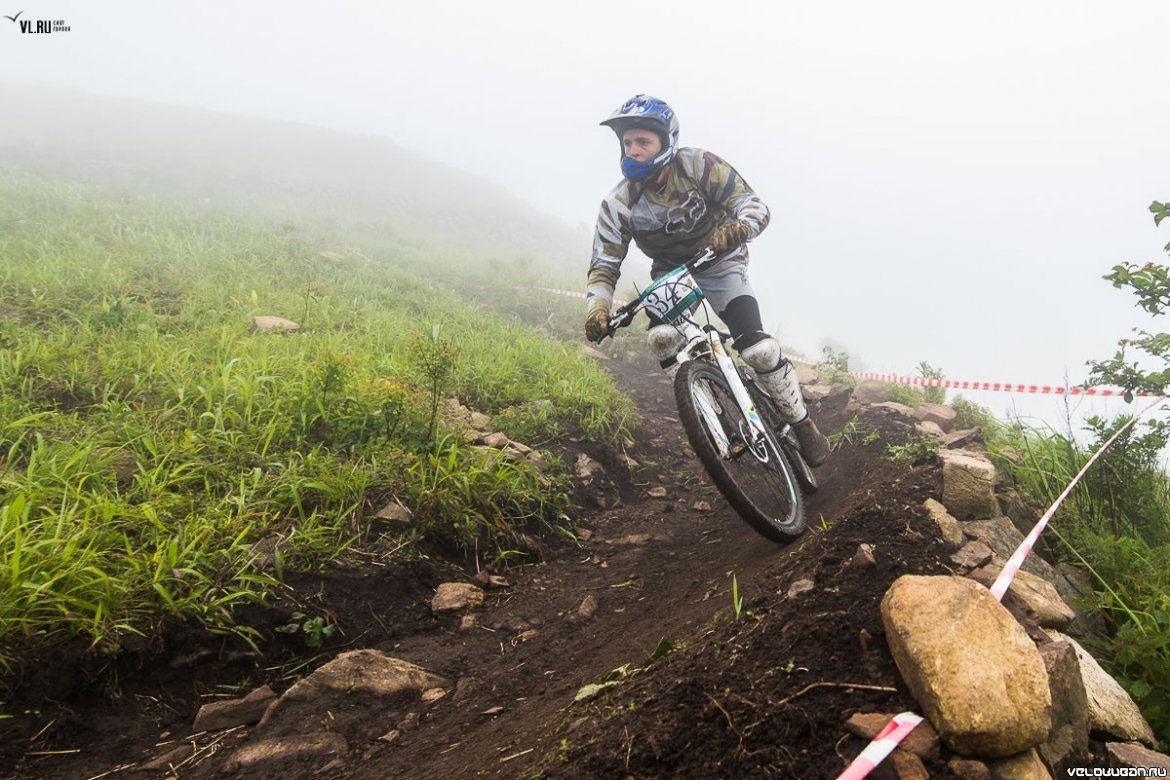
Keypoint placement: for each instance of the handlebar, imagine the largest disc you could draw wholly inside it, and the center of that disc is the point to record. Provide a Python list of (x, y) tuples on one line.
[(625, 314)]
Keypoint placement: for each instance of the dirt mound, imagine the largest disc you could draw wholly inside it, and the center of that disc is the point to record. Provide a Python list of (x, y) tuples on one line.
[(762, 693)]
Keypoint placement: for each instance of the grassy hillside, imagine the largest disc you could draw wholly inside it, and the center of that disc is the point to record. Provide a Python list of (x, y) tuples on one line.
[(361, 186), (161, 460)]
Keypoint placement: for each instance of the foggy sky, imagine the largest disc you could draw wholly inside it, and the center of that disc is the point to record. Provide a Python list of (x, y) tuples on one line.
[(948, 181)]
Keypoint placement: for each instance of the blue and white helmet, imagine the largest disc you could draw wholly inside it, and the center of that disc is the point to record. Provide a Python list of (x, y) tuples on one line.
[(647, 113)]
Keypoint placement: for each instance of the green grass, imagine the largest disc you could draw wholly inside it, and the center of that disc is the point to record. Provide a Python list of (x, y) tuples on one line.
[(160, 460), (1115, 524)]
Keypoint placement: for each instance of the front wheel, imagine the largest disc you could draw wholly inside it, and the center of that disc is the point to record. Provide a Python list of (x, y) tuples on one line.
[(749, 469)]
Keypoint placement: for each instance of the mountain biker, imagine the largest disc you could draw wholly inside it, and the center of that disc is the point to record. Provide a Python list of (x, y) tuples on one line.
[(675, 202)]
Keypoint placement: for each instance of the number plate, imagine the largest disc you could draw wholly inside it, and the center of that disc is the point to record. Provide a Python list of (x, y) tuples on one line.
[(672, 296)]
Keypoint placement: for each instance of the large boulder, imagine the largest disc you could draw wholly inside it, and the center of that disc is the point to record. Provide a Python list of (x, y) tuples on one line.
[(1111, 710), (940, 414), (1003, 538), (1068, 741), (870, 392), (1038, 594), (968, 485), (948, 527), (980, 680)]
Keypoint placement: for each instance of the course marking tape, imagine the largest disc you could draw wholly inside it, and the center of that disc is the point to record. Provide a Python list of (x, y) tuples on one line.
[(882, 745), (1004, 580), (955, 384), (1007, 387)]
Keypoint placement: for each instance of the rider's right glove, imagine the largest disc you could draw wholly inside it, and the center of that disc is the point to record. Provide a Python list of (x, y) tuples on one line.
[(729, 235), (597, 322)]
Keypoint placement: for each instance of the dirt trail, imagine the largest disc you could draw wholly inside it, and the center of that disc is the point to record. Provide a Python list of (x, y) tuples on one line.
[(725, 703)]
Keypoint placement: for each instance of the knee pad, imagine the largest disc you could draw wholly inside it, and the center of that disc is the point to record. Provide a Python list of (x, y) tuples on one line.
[(665, 342), (764, 356)]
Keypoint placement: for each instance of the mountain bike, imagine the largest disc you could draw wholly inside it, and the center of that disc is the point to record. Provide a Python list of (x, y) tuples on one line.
[(731, 422)]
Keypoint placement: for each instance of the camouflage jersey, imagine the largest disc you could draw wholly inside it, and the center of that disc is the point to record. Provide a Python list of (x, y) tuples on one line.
[(671, 226)]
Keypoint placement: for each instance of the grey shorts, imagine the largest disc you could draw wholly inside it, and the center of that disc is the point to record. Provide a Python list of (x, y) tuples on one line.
[(723, 284)]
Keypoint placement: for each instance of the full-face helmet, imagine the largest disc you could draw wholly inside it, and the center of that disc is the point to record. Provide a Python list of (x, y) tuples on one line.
[(646, 113)]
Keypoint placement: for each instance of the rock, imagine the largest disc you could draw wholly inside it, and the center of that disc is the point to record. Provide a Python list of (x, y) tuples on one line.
[(800, 586), (806, 375), (657, 492), (1122, 756), (395, 511), (701, 506), (901, 765), (490, 581), (971, 666), (496, 441), (815, 393), (961, 439), (968, 769), (968, 485), (1001, 536), (1024, 766), (456, 597), (1111, 710), (363, 671), (972, 555), (266, 322), (270, 754), (1076, 588), (948, 527), (940, 414), (1047, 607), (588, 468), (433, 694), (929, 428), (1068, 740), (468, 622), (480, 421), (588, 607), (922, 741), (864, 556), (234, 712), (870, 392), (900, 409)]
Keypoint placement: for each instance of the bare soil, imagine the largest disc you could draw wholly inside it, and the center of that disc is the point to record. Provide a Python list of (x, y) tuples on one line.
[(764, 693)]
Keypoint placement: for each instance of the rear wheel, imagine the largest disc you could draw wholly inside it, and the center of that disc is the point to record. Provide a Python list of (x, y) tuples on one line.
[(750, 470)]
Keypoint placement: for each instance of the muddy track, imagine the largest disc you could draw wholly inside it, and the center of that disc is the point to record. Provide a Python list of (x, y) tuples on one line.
[(655, 567)]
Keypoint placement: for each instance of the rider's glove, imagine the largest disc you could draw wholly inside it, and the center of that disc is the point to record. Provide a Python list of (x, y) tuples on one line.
[(597, 322), (729, 235)]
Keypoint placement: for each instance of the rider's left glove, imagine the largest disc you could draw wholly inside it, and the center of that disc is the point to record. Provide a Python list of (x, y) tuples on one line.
[(729, 235), (597, 322)]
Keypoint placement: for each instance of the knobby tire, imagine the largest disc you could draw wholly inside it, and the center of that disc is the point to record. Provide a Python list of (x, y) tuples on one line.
[(766, 495)]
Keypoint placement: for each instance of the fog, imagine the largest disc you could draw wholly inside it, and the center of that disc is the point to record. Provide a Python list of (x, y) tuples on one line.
[(948, 181)]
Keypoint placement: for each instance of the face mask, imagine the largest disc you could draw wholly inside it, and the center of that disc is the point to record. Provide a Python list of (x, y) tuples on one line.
[(637, 171)]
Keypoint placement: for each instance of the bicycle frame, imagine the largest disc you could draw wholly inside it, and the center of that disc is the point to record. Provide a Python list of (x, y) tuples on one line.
[(672, 297)]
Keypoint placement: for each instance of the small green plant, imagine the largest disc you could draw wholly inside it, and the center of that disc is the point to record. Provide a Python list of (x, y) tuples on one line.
[(315, 629), (435, 358), (916, 449), (934, 394), (846, 434), (736, 597)]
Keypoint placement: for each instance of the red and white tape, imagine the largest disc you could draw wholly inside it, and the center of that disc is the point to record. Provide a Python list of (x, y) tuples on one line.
[(954, 384), (1012, 567), (1007, 387), (882, 745)]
